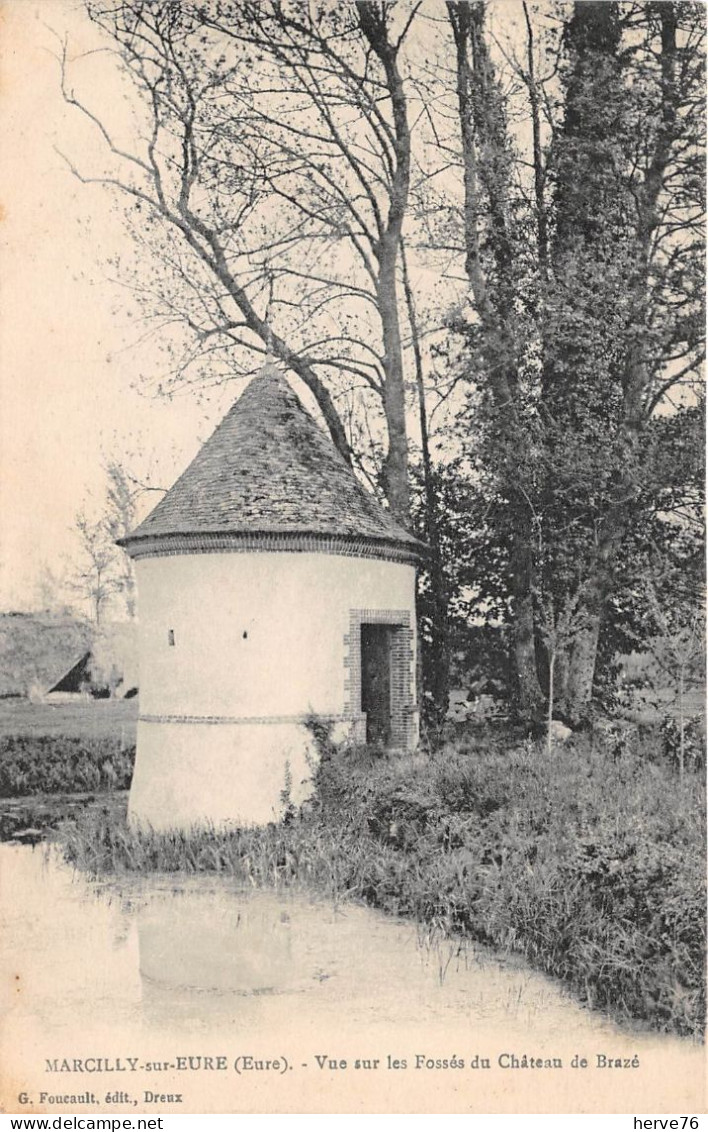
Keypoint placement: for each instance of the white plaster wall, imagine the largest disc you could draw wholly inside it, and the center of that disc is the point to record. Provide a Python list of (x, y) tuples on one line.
[(214, 773), (294, 610), (258, 636)]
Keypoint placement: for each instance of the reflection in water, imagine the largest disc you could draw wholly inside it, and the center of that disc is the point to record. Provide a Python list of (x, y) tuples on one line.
[(224, 952), (198, 955), (204, 942)]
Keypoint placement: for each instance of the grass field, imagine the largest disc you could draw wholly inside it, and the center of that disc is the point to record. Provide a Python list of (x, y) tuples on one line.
[(87, 719)]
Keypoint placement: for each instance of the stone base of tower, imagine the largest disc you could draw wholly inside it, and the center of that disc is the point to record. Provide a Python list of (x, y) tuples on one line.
[(218, 773)]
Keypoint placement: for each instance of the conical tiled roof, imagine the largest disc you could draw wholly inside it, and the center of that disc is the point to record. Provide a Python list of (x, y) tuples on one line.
[(269, 469)]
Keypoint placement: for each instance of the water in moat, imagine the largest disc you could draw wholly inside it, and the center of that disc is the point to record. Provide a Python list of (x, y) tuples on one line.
[(173, 966)]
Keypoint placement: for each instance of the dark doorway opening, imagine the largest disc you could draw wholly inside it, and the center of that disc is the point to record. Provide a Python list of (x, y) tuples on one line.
[(376, 643)]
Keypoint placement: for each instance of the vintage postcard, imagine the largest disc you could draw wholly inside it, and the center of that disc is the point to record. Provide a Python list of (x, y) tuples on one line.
[(352, 667)]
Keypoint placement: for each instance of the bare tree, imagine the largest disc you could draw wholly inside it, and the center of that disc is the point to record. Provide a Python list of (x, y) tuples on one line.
[(120, 519), (95, 579), (286, 185)]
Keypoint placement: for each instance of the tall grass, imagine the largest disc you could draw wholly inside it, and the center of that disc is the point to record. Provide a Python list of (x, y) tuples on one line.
[(53, 764), (588, 861)]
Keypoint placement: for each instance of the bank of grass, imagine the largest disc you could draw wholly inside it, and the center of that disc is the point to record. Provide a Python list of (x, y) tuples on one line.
[(588, 861)]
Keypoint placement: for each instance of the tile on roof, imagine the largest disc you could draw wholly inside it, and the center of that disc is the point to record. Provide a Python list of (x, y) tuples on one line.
[(269, 468)]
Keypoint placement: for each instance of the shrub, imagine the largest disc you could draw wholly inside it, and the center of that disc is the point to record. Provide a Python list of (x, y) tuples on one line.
[(55, 764)]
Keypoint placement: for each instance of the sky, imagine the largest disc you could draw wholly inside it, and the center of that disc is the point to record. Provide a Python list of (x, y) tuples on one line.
[(68, 361)]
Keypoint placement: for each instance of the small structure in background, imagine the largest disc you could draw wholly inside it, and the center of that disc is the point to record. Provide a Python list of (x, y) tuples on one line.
[(107, 670), (76, 681), (272, 588), (59, 658)]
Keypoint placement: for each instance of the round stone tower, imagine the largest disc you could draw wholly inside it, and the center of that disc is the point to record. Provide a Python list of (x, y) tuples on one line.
[(272, 588)]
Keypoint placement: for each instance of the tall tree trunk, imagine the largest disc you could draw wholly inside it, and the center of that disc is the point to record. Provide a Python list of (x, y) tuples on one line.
[(551, 690), (581, 670), (437, 674), (396, 461), (530, 695), (583, 653), (373, 22), (479, 113), (539, 173), (682, 727)]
